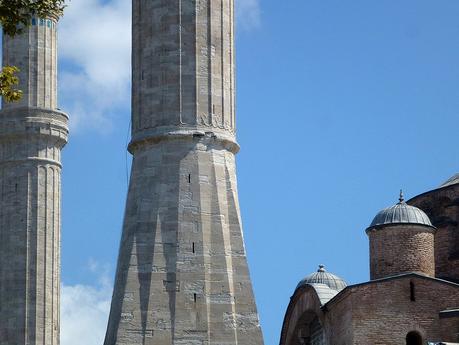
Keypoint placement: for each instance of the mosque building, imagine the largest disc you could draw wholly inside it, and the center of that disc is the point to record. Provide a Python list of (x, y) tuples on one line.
[(412, 297), (182, 275)]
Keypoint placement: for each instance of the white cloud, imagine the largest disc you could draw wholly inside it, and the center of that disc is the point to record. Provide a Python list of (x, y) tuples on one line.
[(95, 49), (248, 14), (95, 52), (84, 310)]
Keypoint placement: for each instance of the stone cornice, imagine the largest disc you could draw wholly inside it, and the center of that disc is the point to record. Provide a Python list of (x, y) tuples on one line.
[(27, 122), (159, 134)]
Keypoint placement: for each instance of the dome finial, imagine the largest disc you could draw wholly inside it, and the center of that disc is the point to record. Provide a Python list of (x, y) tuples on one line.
[(400, 213), (323, 277), (401, 198)]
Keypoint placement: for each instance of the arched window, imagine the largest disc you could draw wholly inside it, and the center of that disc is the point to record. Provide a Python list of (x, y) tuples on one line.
[(413, 338), (317, 333), (311, 331)]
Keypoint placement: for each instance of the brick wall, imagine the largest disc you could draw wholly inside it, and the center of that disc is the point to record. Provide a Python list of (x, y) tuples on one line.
[(442, 207), (450, 325), (383, 312), (399, 249), (338, 322)]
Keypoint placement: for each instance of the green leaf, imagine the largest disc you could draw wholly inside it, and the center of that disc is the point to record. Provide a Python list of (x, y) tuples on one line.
[(16, 15), (8, 80)]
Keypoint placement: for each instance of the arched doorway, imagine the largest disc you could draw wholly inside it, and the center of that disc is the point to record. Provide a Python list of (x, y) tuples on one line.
[(311, 332), (413, 338)]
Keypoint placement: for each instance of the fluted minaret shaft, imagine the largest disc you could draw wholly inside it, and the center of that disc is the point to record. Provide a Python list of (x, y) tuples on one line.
[(35, 54), (32, 134), (183, 67), (182, 275)]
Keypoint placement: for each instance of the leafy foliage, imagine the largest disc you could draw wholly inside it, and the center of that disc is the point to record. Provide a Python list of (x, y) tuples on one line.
[(15, 15), (8, 80)]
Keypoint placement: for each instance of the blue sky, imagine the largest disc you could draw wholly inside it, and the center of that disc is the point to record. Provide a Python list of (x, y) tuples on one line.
[(340, 104)]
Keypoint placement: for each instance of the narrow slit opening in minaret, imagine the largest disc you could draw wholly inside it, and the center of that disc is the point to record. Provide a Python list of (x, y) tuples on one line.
[(16, 188), (412, 292), (213, 108), (195, 298), (189, 178), (193, 248)]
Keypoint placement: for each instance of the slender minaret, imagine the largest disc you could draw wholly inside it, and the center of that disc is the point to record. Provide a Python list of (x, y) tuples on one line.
[(32, 134), (182, 275)]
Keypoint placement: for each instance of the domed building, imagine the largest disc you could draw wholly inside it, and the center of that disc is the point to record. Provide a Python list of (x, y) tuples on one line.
[(323, 277), (442, 207), (304, 320), (412, 297)]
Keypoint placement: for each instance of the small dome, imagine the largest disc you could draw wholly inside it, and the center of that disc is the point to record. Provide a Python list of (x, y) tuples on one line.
[(323, 277), (452, 180), (401, 213)]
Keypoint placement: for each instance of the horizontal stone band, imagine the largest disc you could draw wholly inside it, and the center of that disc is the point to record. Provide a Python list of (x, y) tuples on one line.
[(20, 123), (160, 134), (36, 160)]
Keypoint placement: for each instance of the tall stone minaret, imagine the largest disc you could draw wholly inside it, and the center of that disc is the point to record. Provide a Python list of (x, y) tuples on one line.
[(32, 134), (182, 275)]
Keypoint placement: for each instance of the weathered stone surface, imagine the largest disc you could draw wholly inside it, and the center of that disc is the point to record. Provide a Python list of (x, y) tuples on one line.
[(183, 66), (32, 134), (442, 207), (182, 275)]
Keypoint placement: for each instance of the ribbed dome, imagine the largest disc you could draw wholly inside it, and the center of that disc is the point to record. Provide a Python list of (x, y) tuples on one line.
[(452, 180), (323, 277), (401, 213)]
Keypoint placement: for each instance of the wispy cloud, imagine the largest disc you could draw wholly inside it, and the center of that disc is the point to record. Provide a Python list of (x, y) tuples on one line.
[(95, 51), (248, 14), (84, 309)]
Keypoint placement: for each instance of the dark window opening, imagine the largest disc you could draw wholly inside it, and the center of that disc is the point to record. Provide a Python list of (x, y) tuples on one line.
[(195, 298), (413, 338), (193, 248), (16, 187), (312, 333), (189, 178), (412, 292)]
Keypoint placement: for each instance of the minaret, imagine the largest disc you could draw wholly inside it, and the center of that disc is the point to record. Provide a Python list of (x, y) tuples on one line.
[(182, 275), (32, 134)]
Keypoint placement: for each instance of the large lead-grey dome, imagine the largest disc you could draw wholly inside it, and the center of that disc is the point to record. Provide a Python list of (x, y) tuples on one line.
[(401, 213), (323, 277)]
